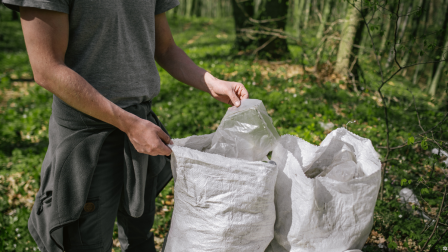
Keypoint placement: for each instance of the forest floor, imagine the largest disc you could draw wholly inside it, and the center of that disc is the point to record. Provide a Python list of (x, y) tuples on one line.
[(305, 101)]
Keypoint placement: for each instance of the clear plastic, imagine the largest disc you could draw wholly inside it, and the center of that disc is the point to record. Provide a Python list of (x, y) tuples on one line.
[(246, 132)]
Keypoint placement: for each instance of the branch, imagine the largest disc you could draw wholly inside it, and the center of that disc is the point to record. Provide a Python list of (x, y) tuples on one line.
[(264, 45), (437, 222), (395, 34)]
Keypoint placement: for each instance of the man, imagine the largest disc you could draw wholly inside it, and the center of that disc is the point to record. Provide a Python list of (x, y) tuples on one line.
[(107, 156)]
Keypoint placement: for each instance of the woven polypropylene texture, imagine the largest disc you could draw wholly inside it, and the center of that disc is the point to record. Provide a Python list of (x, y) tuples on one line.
[(323, 213)]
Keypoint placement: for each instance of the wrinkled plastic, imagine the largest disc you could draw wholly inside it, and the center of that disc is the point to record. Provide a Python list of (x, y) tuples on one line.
[(343, 166), (333, 210), (221, 204), (442, 153), (407, 198), (245, 132)]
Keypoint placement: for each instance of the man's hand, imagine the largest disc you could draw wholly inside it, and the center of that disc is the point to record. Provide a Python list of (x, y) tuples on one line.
[(180, 66), (148, 138), (225, 91)]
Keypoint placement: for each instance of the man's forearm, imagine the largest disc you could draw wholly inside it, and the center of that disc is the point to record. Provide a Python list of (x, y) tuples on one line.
[(176, 62), (74, 90)]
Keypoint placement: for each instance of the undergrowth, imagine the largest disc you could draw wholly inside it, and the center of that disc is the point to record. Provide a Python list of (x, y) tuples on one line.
[(307, 101)]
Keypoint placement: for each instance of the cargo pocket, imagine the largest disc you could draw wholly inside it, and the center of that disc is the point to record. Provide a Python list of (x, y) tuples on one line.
[(84, 232)]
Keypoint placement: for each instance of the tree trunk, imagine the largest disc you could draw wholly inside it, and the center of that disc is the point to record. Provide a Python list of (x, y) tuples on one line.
[(297, 13), (425, 26), (415, 25), (273, 48), (348, 35), (391, 57), (197, 6), (307, 13), (240, 10), (385, 36), (440, 39), (326, 13), (270, 17), (437, 75)]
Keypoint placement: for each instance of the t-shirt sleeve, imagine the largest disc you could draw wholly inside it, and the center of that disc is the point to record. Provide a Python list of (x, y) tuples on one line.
[(53, 5), (165, 5)]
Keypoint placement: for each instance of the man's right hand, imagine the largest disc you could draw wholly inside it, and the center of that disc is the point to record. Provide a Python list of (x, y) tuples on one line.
[(148, 138), (46, 37)]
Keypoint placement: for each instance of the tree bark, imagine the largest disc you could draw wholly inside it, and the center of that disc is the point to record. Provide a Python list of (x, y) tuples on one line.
[(348, 35)]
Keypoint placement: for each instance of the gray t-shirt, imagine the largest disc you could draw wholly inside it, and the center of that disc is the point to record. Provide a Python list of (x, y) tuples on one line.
[(111, 44)]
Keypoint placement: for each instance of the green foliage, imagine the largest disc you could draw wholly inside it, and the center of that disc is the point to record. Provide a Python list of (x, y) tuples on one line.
[(302, 104)]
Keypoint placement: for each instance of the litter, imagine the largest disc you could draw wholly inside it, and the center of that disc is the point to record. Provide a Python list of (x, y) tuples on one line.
[(245, 132)]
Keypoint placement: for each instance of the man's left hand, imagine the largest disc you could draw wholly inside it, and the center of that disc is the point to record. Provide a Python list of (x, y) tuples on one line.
[(226, 91)]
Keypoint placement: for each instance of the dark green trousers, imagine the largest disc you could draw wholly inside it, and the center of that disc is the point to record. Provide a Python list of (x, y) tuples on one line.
[(93, 230)]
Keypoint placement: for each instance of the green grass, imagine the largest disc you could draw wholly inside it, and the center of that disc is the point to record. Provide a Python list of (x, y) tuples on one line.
[(297, 103)]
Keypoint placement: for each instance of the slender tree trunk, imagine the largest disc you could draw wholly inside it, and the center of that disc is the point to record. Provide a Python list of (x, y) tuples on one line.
[(418, 68), (307, 13), (197, 6), (348, 35), (440, 38), (325, 14), (415, 25), (297, 13), (385, 36), (437, 75), (399, 36)]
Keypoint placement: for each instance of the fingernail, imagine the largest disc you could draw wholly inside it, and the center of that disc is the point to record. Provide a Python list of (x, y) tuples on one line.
[(237, 103), (171, 142)]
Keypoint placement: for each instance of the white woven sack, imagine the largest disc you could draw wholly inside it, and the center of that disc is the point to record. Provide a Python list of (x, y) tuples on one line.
[(321, 213), (221, 204)]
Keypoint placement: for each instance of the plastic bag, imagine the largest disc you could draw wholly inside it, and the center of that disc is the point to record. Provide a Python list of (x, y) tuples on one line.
[(221, 203), (245, 132), (333, 210)]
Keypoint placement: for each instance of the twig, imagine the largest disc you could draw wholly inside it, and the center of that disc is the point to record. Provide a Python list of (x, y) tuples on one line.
[(437, 222), (264, 45), (395, 34), (440, 238), (443, 120), (396, 147)]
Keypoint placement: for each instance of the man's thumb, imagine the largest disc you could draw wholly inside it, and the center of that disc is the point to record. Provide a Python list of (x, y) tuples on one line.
[(234, 98)]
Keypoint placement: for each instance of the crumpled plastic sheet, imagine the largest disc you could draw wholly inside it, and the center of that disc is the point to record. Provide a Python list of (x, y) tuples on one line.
[(245, 132), (221, 203), (325, 195), (407, 196)]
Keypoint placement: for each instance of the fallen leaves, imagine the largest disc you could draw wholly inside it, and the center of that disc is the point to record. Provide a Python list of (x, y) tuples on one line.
[(19, 192)]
